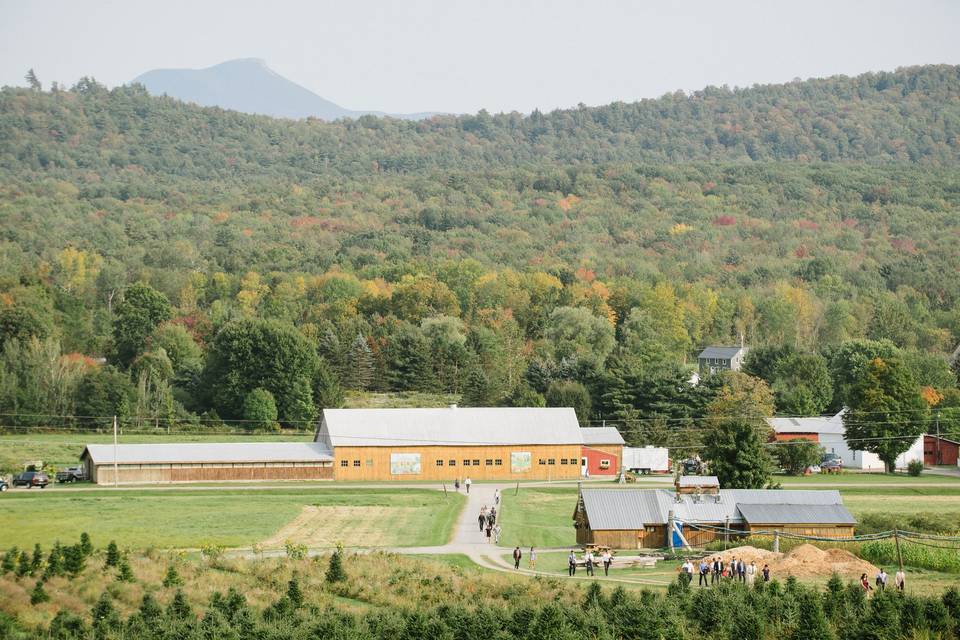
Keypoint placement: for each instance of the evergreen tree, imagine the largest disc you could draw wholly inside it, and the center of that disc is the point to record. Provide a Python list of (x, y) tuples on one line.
[(335, 572), (74, 561), (10, 560), (54, 561), (477, 391), (104, 616), (150, 610), (113, 554), (811, 622), (39, 594), (179, 608), (124, 572), (172, 578), (33, 81), (294, 594), (86, 547), (36, 562), (23, 566), (358, 369), (594, 597)]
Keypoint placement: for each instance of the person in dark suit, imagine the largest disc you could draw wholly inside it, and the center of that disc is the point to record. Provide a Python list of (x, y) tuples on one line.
[(717, 570), (517, 554)]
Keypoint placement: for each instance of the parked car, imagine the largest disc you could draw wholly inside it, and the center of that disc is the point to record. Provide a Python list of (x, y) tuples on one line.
[(831, 463), (30, 479), (72, 474), (692, 466), (4, 485)]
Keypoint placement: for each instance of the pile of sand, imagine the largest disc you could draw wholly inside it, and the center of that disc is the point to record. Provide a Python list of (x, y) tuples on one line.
[(805, 561)]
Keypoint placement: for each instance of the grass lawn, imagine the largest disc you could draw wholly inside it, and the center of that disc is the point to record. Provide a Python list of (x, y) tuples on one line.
[(189, 519), (539, 517), (60, 450), (839, 480)]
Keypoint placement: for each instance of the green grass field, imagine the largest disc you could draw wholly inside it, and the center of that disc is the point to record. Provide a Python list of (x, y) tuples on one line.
[(192, 518)]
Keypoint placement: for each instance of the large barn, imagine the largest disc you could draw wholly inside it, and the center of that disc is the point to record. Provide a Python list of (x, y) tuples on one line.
[(203, 461), (639, 518), (490, 443)]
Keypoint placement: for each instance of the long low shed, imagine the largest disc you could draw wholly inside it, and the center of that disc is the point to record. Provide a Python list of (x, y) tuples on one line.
[(639, 518), (207, 462)]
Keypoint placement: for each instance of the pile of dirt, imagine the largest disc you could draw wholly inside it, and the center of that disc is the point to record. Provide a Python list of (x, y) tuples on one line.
[(804, 561)]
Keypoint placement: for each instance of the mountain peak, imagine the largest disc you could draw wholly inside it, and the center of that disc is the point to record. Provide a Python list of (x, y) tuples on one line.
[(250, 86)]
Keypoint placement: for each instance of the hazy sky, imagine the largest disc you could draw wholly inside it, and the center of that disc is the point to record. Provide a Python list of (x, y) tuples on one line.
[(460, 56)]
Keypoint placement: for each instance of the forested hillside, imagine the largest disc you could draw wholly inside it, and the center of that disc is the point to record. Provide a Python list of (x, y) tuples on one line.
[(237, 267)]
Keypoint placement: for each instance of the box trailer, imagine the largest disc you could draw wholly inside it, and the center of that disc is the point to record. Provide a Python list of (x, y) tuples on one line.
[(646, 459)]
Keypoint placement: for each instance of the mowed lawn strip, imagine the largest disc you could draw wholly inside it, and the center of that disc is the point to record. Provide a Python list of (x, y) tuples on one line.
[(190, 519)]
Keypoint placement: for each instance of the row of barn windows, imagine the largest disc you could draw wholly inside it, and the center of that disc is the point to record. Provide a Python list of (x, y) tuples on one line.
[(214, 465), (490, 462)]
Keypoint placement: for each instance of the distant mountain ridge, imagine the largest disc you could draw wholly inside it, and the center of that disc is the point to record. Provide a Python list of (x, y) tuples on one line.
[(248, 85)]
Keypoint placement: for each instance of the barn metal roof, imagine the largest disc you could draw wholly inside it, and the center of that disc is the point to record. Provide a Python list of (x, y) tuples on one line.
[(633, 508), (449, 426), (796, 514), (813, 424), (601, 435), (211, 452)]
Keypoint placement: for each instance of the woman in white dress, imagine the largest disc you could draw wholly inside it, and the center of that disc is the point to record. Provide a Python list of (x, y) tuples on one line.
[(751, 572)]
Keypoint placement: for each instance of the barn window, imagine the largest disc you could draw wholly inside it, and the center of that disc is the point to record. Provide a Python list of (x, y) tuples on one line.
[(551, 461), (604, 464), (563, 461), (476, 463), (498, 462), (541, 461), (452, 463), (489, 462), (344, 463), (439, 463), (356, 463), (466, 463)]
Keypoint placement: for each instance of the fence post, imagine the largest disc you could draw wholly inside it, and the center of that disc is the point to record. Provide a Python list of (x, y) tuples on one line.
[(726, 532), (776, 542), (896, 539), (670, 530)]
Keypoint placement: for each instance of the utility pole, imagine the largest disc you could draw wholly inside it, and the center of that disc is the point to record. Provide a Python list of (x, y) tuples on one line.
[(670, 526), (939, 458), (116, 480), (896, 539)]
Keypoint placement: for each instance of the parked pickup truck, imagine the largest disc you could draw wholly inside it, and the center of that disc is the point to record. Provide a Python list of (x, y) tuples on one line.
[(73, 474)]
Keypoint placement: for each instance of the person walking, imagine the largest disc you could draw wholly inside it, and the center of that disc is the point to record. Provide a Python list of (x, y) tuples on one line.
[(588, 562), (482, 519), (491, 517), (456, 485), (517, 554), (686, 571), (704, 572), (489, 531), (900, 580), (864, 583), (881, 580), (717, 570), (532, 558), (751, 572), (607, 561), (466, 483), (496, 534), (572, 564), (496, 496), (742, 570), (766, 573)]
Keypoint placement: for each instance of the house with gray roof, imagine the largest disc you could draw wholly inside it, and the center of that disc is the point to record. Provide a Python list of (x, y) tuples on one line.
[(640, 518), (715, 359)]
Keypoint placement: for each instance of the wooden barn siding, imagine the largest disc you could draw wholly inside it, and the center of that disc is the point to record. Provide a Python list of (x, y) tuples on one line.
[(613, 451), (135, 474), (827, 531), (653, 537), (375, 462)]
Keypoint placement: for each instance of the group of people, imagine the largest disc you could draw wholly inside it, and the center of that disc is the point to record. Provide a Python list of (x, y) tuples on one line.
[(713, 570), (531, 558), (899, 580), (589, 562), (487, 519)]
